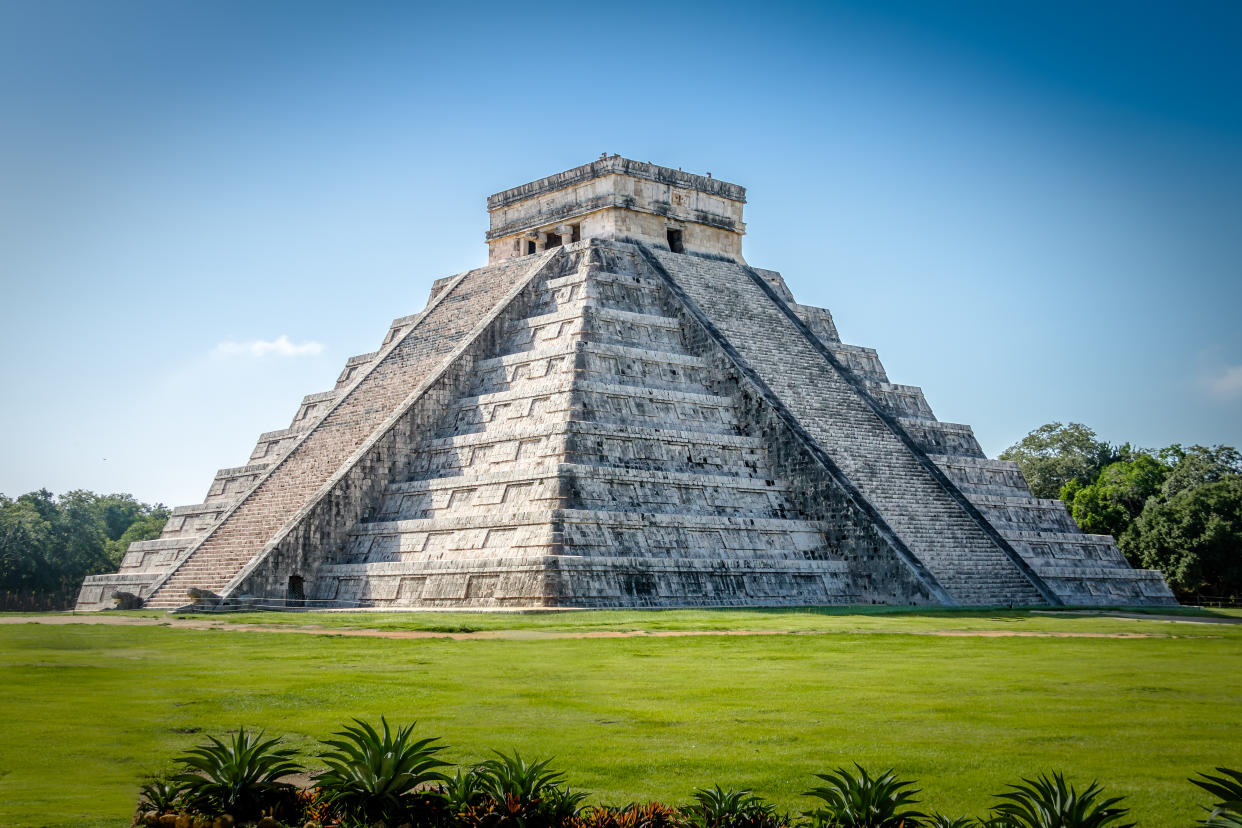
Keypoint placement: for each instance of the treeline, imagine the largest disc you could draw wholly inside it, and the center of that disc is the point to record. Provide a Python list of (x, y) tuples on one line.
[(48, 544), (1177, 509)]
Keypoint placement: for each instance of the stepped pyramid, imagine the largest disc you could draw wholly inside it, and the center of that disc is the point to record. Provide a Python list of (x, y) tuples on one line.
[(619, 412)]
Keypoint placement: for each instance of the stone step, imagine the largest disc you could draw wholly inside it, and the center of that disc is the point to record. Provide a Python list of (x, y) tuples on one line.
[(500, 581), (287, 486), (569, 398), (610, 290), (586, 532), (605, 444), (900, 400), (594, 361), (588, 320), (587, 486), (981, 476)]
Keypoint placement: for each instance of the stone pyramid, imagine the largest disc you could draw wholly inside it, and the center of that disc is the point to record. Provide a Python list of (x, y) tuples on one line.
[(619, 412)]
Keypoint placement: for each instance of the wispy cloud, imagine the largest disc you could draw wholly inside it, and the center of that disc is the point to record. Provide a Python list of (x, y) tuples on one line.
[(1228, 383), (281, 347)]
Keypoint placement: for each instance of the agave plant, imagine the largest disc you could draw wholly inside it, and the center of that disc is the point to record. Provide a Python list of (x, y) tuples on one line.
[(370, 772), (560, 805), (717, 808), (159, 795), (863, 801), (462, 790), (1227, 812), (942, 821), (512, 777), (1049, 802), (238, 776)]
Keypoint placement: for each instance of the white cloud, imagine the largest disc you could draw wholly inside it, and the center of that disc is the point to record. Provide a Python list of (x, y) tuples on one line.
[(1229, 382), (281, 346)]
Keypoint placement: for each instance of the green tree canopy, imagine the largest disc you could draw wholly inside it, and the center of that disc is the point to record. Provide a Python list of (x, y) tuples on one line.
[(1197, 465), (1110, 504), (1194, 538), (1054, 454), (50, 543)]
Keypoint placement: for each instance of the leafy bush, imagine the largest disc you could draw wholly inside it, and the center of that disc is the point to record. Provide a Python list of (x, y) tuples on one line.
[(159, 795), (863, 801), (560, 805), (238, 777), (716, 808), (509, 791), (1048, 802), (1227, 812), (370, 773)]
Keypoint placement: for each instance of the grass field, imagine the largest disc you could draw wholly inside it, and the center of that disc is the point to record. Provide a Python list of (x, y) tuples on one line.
[(88, 711)]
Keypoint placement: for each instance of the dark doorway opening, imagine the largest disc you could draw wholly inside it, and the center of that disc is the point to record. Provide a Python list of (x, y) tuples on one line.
[(553, 241), (296, 596), (577, 233), (674, 241), (530, 247)]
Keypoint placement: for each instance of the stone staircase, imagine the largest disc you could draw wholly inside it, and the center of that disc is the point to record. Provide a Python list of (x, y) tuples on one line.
[(592, 441), (929, 519), (348, 417)]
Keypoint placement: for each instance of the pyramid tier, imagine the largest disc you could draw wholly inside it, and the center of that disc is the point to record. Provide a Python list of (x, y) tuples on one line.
[(578, 441)]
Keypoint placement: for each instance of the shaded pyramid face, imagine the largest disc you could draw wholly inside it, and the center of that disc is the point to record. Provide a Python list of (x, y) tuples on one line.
[(608, 424)]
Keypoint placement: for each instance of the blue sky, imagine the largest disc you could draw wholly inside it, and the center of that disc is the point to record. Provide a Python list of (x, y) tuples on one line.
[(1032, 210)]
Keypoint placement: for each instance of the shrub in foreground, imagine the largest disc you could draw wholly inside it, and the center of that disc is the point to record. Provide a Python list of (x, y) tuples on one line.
[(633, 815), (716, 808), (384, 778), (238, 776), (862, 801), (1049, 802), (373, 773)]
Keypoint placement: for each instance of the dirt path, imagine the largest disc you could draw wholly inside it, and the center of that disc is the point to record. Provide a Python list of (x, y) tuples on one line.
[(532, 635)]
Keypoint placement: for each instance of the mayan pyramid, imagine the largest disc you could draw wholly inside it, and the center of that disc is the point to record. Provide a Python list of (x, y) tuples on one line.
[(617, 411)]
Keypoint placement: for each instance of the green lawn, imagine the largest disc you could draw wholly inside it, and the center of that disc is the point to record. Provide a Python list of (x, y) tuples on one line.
[(89, 710)]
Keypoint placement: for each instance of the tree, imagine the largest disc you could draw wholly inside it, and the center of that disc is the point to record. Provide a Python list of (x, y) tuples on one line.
[(25, 537), (49, 543), (1194, 538), (1118, 495), (1197, 465), (1054, 454)]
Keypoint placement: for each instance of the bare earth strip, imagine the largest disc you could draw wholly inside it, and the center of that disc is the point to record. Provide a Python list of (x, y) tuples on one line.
[(538, 635)]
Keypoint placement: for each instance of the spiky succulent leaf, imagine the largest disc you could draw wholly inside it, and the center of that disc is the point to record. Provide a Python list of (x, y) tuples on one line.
[(1051, 802), (859, 800), (1226, 812), (369, 771), (159, 795), (236, 775), (512, 777), (462, 790), (943, 821), (718, 808)]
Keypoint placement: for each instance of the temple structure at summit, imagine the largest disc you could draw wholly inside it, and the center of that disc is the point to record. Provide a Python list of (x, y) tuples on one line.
[(619, 411)]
